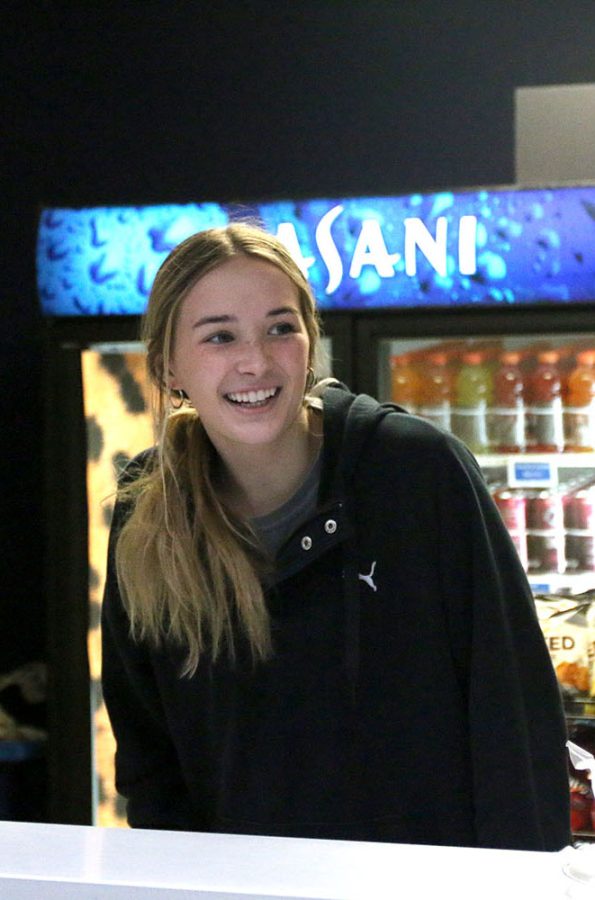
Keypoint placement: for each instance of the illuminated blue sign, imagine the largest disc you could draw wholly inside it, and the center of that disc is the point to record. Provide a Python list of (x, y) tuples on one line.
[(472, 248)]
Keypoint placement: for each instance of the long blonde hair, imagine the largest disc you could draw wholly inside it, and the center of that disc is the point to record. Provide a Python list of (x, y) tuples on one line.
[(188, 569)]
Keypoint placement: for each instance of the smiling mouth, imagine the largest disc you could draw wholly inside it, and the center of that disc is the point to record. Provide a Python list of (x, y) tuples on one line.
[(252, 399)]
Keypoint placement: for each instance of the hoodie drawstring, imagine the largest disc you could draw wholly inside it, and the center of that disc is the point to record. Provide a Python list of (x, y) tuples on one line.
[(351, 657)]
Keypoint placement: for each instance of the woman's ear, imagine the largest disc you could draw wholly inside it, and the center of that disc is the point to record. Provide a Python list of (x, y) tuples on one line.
[(170, 380)]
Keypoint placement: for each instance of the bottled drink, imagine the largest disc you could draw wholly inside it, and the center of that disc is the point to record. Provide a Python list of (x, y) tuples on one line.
[(544, 414), (404, 382), (566, 365), (435, 395), (546, 552), (581, 508), (545, 509), (473, 396), (507, 416), (546, 537), (579, 415), (512, 506), (580, 528)]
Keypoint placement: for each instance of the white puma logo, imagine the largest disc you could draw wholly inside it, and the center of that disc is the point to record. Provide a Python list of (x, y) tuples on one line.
[(369, 578)]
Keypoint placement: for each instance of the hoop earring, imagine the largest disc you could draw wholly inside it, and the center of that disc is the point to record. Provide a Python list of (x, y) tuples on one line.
[(310, 380), (181, 397)]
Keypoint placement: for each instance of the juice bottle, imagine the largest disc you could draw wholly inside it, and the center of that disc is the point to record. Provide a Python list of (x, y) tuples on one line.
[(579, 415), (512, 505), (507, 417), (566, 365), (404, 382), (435, 396), (544, 419), (473, 396)]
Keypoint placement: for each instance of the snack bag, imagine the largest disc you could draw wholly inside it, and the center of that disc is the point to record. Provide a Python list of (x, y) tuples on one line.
[(564, 625)]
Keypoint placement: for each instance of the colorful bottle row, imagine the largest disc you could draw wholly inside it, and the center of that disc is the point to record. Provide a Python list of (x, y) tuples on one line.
[(532, 400), (553, 529)]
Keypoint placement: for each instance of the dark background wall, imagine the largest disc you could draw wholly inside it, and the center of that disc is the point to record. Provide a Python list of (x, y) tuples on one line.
[(140, 102)]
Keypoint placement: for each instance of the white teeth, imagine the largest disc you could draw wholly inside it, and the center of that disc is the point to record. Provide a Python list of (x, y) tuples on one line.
[(253, 396)]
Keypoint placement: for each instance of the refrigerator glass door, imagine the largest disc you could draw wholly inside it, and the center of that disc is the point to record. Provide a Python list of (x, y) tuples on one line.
[(525, 406)]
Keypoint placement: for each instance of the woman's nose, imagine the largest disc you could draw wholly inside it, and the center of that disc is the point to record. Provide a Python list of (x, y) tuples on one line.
[(252, 358)]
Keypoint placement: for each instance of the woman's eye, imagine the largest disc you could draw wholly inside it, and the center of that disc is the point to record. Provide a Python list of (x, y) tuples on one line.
[(220, 337), (282, 328)]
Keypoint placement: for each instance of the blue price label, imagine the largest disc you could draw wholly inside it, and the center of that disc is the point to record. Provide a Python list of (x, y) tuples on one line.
[(541, 588), (528, 473)]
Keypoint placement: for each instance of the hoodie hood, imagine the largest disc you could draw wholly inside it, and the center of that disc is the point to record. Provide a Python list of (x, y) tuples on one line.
[(349, 422)]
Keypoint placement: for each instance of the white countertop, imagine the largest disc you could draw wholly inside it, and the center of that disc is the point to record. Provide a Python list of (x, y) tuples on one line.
[(43, 862)]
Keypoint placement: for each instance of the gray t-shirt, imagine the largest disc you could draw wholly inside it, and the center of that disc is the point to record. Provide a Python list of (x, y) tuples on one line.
[(273, 529)]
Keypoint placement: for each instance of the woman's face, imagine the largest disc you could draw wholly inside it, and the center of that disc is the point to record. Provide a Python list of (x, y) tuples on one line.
[(240, 352)]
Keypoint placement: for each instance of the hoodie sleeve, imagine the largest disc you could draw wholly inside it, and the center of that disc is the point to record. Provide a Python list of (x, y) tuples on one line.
[(148, 774), (516, 723)]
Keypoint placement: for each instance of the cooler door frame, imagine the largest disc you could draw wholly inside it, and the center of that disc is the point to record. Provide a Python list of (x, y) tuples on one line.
[(70, 770), (338, 326)]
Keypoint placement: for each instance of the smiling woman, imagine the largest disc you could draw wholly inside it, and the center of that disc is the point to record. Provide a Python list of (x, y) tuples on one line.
[(230, 315), (308, 592)]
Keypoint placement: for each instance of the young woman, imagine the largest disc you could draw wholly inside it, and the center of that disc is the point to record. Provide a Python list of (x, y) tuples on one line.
[(315, 623)]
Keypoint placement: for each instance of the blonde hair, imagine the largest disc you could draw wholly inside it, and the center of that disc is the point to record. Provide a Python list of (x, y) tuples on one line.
[(189, 569)]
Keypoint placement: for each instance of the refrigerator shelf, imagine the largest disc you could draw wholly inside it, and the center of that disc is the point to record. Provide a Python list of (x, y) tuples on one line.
[(582, 708), (587, 720), (559, 460), (536, 470), (585, 837), (555, 583)]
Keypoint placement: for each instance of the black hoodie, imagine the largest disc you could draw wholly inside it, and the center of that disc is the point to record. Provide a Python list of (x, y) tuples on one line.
[(410, 697)]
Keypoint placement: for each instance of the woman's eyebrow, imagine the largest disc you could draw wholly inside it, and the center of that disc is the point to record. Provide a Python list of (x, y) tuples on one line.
[(219, 320), (214, 320), (282, 310)]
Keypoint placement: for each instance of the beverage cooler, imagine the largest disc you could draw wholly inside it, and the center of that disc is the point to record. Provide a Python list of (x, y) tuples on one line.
[(475, 310), (519, 390)]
